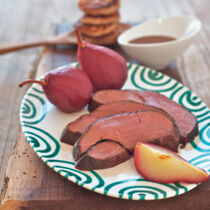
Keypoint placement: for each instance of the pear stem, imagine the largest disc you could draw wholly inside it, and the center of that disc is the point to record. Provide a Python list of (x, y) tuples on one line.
[(42, 83), (79, 38)]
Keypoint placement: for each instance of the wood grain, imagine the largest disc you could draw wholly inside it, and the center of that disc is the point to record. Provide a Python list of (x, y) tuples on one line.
[(41, 188), (21, 22), (38, 186)]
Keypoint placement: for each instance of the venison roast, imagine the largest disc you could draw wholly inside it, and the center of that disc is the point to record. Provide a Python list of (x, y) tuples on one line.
[(184, 119), (125, 130), (104, 154), (109, 96), (74, 129)]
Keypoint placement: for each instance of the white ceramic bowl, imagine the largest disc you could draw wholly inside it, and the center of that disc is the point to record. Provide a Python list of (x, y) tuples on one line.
[(159, 55)]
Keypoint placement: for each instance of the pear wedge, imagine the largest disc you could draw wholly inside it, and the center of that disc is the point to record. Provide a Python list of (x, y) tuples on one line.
[(162, 165)]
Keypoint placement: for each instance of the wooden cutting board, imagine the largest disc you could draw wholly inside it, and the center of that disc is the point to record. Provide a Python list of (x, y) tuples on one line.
[(30, 184)]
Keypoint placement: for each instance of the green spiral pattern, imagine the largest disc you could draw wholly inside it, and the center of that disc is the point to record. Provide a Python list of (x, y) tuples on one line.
[(32, 112), (33, 116), (148, 79), (29, 111), (43, 143), (79, 177), (141, 189)]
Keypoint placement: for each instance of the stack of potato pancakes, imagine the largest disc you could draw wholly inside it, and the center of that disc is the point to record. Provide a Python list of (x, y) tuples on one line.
[(99, 24)]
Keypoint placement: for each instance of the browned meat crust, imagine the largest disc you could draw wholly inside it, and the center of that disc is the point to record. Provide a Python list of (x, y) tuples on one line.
[(104, 154), (75, 129), (127, 129), (185, 120)]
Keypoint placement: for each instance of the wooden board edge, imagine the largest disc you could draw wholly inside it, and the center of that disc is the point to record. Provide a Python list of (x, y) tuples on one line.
[(41, 62)]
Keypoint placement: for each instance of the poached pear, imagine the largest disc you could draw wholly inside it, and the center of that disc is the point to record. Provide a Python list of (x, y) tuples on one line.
[(162, 165), (68, 88), (106, 68)]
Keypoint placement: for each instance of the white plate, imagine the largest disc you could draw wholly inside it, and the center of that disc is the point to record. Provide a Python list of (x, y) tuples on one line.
[(43, 124)]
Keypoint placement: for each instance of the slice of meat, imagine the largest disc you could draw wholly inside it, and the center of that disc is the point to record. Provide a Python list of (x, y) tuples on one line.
[(110, 96), (74, 129), (129, 128), (184, 119), (104, 154)]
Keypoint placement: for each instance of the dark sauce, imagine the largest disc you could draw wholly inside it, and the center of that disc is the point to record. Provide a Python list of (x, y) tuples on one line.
[(151, 39)]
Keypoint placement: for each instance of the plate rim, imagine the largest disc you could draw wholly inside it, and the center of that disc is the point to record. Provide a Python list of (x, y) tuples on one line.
[(87, 186)]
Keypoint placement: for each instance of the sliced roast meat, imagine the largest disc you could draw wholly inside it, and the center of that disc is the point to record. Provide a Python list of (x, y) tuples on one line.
[(74, 129), (104, 154), (185, 120), (109, 96), (127, 129)]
